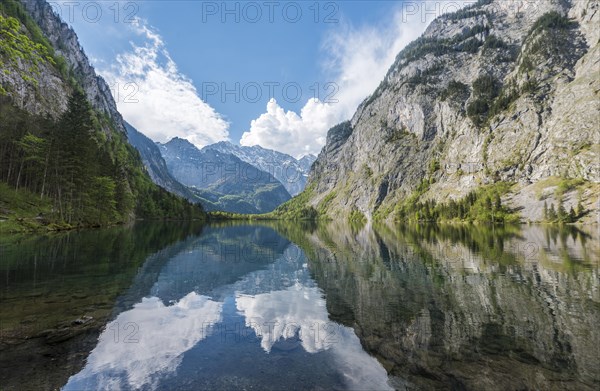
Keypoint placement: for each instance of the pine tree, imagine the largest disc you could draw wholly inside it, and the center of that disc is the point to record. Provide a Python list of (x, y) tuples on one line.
[(562, 212), (552, 213), (545, 211), (580, 209), (76, 157), (488, 203), (572, 215), (498, 202)]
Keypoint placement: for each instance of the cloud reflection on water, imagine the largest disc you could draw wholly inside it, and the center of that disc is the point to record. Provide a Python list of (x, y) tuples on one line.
[(279, 302), (163, 334)]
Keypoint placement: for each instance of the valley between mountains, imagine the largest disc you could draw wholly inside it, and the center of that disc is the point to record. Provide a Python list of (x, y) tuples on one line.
[(490, 116)]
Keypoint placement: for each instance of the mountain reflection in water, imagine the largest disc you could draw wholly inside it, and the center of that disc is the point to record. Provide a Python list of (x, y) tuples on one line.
[(307, 306)]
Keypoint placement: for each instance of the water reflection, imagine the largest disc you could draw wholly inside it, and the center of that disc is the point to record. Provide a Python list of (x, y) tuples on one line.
[(297, 313), (226, 293), (288, 306), (146, 341), (59, 290), (466, 307)]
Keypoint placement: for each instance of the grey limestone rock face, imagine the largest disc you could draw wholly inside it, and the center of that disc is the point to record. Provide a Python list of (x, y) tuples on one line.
[(52, 91), (539, 87)]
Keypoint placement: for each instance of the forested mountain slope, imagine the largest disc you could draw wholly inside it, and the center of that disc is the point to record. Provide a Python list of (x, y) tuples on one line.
[(62, 140)]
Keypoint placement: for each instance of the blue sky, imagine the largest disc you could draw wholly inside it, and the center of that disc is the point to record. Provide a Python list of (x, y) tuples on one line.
[(169, 62)]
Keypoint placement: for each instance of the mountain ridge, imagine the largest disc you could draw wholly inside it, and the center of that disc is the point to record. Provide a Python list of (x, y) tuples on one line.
[(155, 163), (495, 93), (66, 44), (221, 180), (291, 172)]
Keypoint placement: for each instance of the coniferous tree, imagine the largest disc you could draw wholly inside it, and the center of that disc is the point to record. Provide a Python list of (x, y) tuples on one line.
[(572, 216), (497, 203), (562, 212), (580, 209), (552, 213), (488, 203), (74, 156)]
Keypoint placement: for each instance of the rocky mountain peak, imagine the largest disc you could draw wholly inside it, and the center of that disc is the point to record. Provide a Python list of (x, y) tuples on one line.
[(76, 64), (496, 92)]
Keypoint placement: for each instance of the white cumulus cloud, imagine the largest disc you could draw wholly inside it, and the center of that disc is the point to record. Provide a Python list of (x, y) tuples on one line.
[(289, 132), (356, 60), (157, 99)]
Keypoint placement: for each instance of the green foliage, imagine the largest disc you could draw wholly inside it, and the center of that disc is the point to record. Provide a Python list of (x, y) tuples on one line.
[(15, 10), (427, 76), (551, 20), (68, 163), (16, 47), (455, 91), (507, 96), (552, 213), (470, 11), (434, 166), (21, 210), (78, 164), (477, 111), (527, 63), (297, 208), (464, 13), (395, 134), (560, 215), (439, 47), (485, 86), (324, 204), (470, 46), (530, 86), (491, 100), (485, 89), (562, 212), (493, 42), (567, 184), (549, 38), (357, 217), (423, 46), (580, 209), (482, 205)]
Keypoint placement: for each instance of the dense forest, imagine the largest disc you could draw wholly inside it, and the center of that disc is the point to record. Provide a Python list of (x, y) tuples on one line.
[(82, 171), (89, 179)]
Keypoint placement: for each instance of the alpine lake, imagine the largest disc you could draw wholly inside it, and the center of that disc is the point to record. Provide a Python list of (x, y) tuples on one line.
[(301, 306)]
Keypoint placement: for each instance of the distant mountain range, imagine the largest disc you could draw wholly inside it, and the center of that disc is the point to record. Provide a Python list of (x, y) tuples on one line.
[(223, 176), (155, 164), (222, 181), (292, 173)]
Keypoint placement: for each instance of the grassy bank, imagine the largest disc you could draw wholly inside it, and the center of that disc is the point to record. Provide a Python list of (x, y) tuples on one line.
[(23, 211)]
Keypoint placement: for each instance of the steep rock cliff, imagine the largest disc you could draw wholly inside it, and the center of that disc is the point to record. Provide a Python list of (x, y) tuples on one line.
[(499, 91), (55, 81)]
